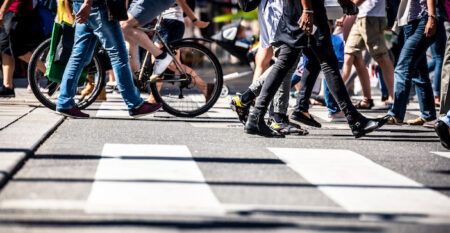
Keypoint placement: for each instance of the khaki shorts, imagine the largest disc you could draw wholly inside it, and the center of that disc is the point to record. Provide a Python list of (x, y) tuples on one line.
[(367, 32)]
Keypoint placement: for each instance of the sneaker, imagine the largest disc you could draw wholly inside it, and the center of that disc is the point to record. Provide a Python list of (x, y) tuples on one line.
[(160, 66), (337, 117), (392, 120), (72, 113), (430, 124), (300, 117), (241, 109), (442, 131), (348, 7), (7, 92), (285, 127), (364, 125), (417, 121), (145, 109)]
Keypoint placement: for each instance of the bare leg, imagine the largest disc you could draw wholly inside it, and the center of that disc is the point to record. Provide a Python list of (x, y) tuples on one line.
[(388, 74), (138, 37), (262, 60), (363, 76), (8, 66)]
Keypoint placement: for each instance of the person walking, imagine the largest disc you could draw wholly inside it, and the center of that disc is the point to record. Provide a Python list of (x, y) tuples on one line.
[(418, 21), (92, 25)]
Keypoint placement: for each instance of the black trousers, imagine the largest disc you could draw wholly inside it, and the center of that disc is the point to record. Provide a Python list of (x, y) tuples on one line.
[(321, 56)]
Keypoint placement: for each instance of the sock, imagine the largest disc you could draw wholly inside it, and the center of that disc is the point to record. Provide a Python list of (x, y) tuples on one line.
[(247, 97), (162, 55)]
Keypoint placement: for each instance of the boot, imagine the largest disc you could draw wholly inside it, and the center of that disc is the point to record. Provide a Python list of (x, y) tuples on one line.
[(256, 125), (89, 88)]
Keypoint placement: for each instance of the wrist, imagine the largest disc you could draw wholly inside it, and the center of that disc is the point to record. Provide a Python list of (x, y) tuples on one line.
[(194, 20), (308, 11), (432, 17)]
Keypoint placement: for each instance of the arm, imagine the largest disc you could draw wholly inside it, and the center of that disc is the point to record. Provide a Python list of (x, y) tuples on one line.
[(358, 2), (85, 9), (430, 28), (306, 20), (3, 10), (190, 14)]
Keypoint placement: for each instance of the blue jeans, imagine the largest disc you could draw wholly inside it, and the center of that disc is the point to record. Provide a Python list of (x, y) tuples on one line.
[(98, 28), (437, 51), (412, 66), (332, 106), (446, 118)]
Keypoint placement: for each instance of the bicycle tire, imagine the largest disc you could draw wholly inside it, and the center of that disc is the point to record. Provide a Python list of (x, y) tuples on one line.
[(37, 90), (178, 45)]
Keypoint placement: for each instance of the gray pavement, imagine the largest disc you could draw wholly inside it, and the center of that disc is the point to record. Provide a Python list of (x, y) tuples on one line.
[(159, 173)]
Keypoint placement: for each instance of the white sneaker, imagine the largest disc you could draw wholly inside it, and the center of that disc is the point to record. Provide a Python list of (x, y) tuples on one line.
[(337, 117), (161, 65)]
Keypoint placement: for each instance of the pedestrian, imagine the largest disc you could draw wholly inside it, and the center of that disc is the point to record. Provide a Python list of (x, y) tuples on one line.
[(20, 34), (368, 32), (92, 25), (417, 18)]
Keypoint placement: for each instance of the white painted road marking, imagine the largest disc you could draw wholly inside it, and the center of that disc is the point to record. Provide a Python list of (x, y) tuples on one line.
[(150, 179), (442, 154), (361, 185)]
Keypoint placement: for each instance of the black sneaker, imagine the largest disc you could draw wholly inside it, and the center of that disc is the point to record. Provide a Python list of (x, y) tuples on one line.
[(285, 127), (7, 92), (348, 7), (364, 125), (240, 108), (442, 131), (299, 117)]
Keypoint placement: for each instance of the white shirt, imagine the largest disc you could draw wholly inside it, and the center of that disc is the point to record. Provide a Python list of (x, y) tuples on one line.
[(374, 8)]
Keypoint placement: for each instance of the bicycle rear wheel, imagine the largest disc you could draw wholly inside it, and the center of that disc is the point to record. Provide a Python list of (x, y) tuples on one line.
[(47, 91), (194, 92)]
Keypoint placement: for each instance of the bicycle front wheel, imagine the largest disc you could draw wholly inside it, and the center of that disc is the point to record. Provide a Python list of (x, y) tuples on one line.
[(47, 91), (193, 88)]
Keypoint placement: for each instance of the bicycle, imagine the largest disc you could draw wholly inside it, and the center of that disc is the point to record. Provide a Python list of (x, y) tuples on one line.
[(179, 89)]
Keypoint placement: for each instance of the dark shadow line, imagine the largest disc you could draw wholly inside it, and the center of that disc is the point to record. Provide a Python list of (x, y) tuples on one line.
[(202, 224), (227, 183), (171, 118), (197, 159)]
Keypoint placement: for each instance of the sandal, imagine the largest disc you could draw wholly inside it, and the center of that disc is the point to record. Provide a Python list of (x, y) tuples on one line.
[(365, 104)]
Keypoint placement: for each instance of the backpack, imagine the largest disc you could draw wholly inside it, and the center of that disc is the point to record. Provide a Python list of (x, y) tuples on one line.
[(248, 5)]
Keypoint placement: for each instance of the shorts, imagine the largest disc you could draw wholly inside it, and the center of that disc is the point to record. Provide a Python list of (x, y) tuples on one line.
[(367, 32), (171, 30), (269, 14), (144, 11), (20, 34)]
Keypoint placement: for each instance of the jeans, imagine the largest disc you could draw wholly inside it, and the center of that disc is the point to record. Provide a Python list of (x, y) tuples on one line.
[(446, 119), (332, 106), (412, 66), (437, 51), (98, 28)]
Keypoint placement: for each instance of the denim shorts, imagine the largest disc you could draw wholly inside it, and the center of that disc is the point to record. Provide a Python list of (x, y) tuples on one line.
[(144, 11), (171, 30)]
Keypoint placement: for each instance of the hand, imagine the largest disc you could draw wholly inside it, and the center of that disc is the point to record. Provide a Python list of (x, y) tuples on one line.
[(83, 14), (306, 22), (340, 21), (430, 28), (201, 24)]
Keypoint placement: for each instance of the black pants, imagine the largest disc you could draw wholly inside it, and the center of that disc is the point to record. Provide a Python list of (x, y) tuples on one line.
[(286, 60), (321, 56)]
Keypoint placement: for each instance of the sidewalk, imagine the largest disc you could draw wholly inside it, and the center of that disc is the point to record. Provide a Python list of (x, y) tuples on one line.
[(24, 125)]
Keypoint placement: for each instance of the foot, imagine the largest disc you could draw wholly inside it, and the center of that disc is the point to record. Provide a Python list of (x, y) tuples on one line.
[(145, 109), (285, 127), (437, 101), (256, 125), (443, 133), (417, 121), (241, 109), (161, 63), (6, 92), (365, 104), (348, 7), (430, 124), (392, 120), (364, 126), (337, 117), (73, 113), (304, 118)]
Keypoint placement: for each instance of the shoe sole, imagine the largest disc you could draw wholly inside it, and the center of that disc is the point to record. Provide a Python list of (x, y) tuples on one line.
[(145, 114), (252, 132)]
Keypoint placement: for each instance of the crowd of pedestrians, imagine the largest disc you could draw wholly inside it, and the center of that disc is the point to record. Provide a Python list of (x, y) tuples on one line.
[(298, 29)]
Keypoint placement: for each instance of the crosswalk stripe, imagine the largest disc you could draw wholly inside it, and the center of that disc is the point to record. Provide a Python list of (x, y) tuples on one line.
[(361, 185), (442, 154), (161, 179)]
